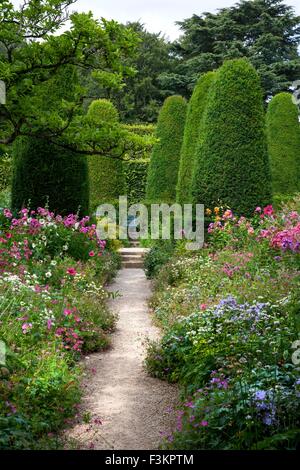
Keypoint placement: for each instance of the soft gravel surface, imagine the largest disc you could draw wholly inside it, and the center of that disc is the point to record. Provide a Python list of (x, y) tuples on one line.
[(133, 407)]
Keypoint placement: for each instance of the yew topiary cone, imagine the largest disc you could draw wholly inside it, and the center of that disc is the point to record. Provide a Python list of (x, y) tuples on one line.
[(232, 165), (164, 163)]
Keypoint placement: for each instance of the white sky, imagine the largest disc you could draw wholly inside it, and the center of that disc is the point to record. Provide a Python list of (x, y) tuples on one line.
[(157, 15)]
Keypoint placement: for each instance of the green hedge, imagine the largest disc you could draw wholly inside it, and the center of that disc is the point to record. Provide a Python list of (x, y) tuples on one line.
[(45, 173), (136, 163), (5, 171), (136, 176), (164, 163), (192, 134), (232, 166), (283, 133), (106, 175)]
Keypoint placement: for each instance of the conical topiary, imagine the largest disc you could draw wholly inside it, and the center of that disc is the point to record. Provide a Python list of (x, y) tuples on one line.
[(164, 163), (192, 133), (283, 134), (232, 166)]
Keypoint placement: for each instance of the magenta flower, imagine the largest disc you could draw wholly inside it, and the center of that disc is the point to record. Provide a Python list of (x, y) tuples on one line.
[(204, 423), (7, 213), (91, 254), (71, 271), (268, 210), (67, 312)]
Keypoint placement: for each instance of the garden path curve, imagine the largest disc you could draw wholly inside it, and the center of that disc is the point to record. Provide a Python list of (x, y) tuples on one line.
[(133, 407)]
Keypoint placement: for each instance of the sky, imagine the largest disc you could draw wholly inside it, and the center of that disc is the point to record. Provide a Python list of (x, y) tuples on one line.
[(157, 15)]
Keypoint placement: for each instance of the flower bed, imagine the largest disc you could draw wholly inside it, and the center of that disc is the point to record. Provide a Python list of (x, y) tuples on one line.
[(53, 310), (230, 316)]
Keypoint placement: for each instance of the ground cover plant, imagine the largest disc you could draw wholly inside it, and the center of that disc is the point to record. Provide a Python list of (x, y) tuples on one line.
[(230, 317), (53, 310)]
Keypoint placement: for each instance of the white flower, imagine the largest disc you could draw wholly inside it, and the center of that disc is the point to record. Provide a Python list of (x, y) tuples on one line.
[(48, 274), (65, 247), (53, 263)]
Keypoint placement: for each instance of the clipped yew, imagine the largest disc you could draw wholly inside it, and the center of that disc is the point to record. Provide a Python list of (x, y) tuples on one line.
[(283, 134), (193, 131), (232, 165), (44, 173), (164, 162)]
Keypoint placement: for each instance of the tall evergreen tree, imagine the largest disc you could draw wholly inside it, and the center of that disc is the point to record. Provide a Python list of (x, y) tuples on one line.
[(164, 163), (267, 32), (283, 133), (141, 96), (232, 166), (192, 134)]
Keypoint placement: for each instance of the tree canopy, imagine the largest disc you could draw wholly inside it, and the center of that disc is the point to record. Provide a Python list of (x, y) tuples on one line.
[(267, 32), (33, 53)]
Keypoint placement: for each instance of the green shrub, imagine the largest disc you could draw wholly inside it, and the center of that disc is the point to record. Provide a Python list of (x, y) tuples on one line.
[(232, 165), (192, 133), (159, 255), (106, 177), (164, 163), (283, 132), (45, 173)]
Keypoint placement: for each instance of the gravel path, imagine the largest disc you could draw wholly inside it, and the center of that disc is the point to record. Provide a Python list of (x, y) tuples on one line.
[(133, 407)]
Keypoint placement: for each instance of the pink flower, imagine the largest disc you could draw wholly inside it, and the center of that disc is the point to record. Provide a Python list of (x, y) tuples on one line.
[(91, 254), (71, 271), (8, 235), (49, 324), (258, 209), (203, 306), (268, 210), (67, 312), (204, 423), (7, 213), (228, 214), (26, 327)]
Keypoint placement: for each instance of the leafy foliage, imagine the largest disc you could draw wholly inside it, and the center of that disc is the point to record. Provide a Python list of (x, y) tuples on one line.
[(283, 133), (231, 161), (192, 133), (32, 55), (142, 96), (164, 163)]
